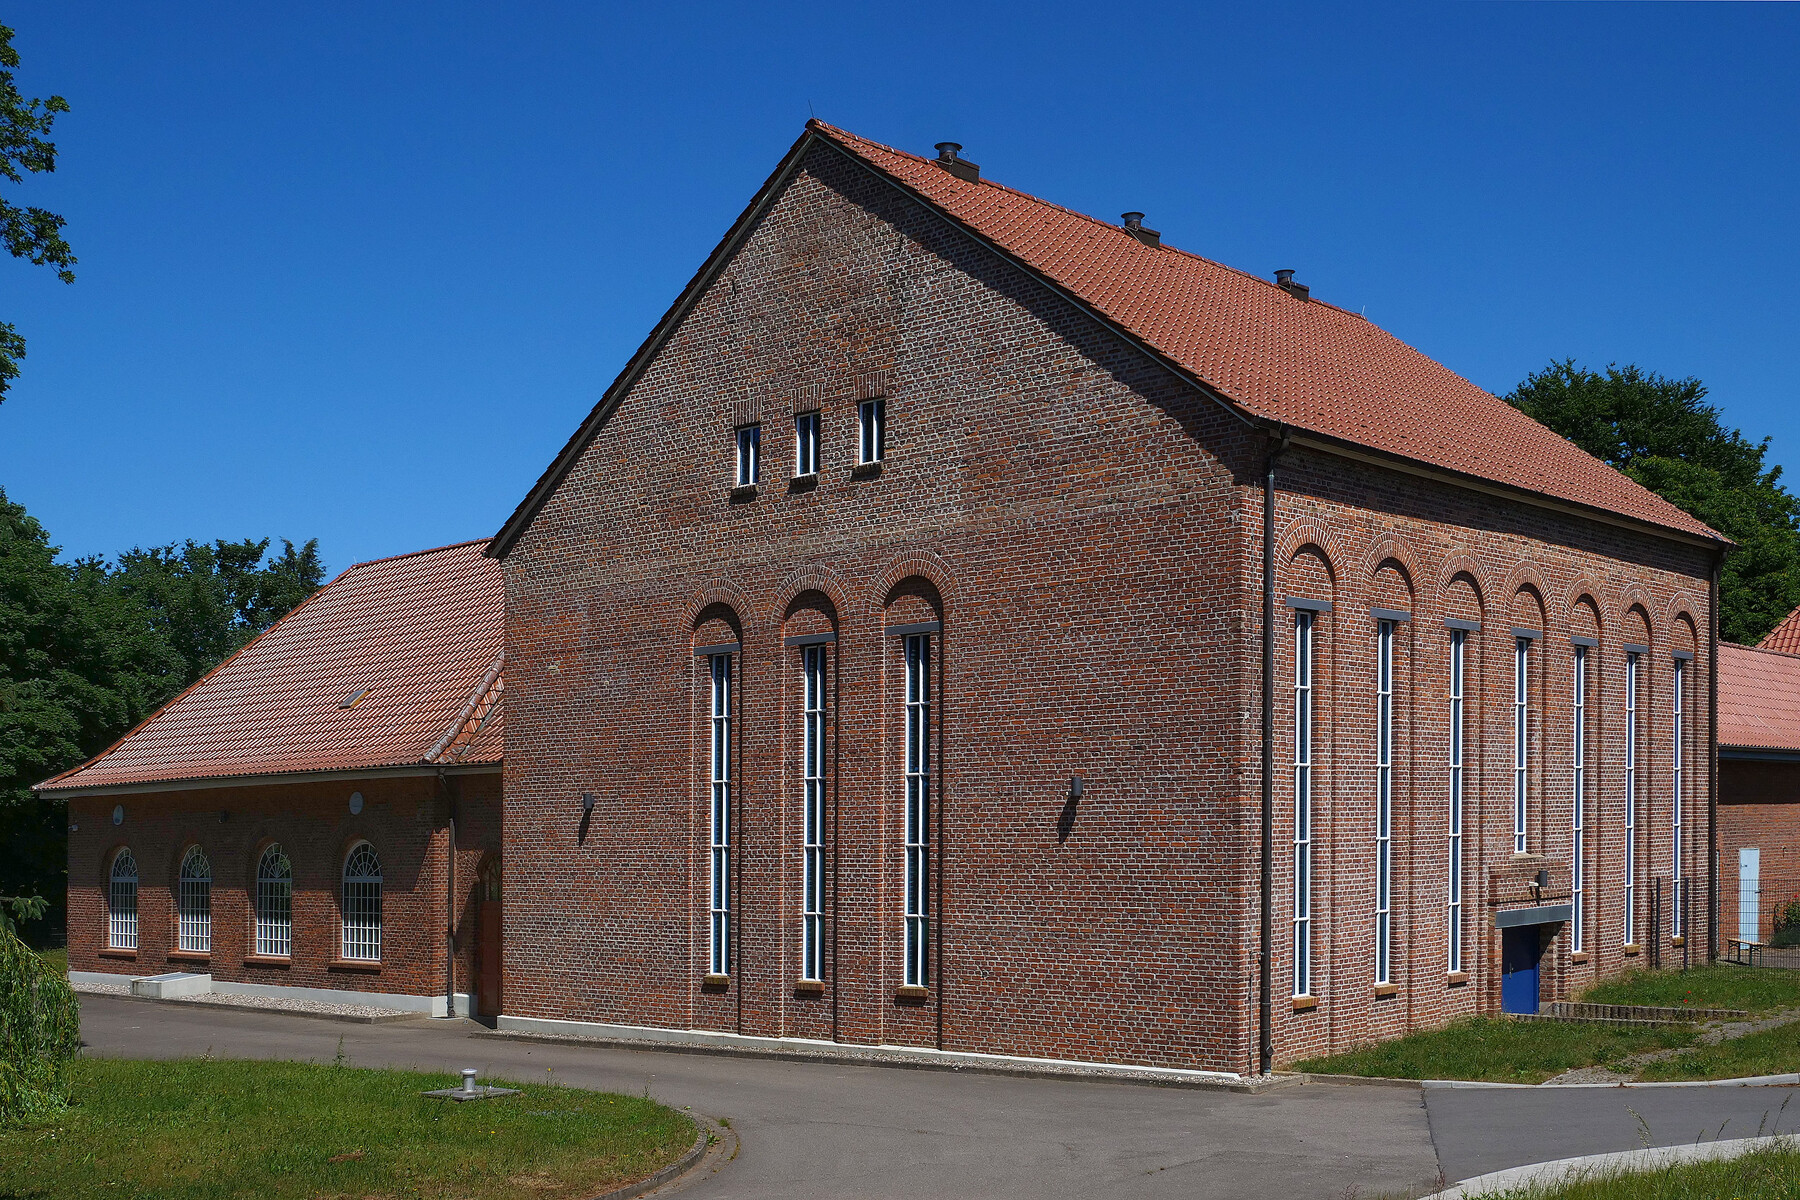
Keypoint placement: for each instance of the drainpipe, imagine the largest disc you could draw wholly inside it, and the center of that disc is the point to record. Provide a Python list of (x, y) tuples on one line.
[(450, 901), (1265, 968), (1712, 777)]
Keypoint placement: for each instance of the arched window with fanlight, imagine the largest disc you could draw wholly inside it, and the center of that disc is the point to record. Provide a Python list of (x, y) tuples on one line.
[(193, 903), (362, 904), (122, 902), (274, 903)]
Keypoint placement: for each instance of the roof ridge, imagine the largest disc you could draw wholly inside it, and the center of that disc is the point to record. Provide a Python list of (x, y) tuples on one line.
[(369, 562), (1760, 649)]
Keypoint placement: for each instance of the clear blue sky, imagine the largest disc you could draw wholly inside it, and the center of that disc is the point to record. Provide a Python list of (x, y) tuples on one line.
[(355, 271)]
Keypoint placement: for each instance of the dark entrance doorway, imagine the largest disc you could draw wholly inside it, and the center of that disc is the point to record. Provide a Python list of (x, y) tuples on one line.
[(1519, 953), (487, 940)]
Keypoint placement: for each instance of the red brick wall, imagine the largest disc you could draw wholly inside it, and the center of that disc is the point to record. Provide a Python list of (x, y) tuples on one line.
[(402, 818), (1086, 527), (1759, 805)]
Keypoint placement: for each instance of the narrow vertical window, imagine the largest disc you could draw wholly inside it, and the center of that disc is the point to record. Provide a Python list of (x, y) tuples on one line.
[(719, 836), (1677, 927), (812, 844), (1384, 797), (193, 903), (1578, 804), (1454, 933), (806, 443), (918, 807), (274, 904), (872, 417), (1629, 925), (1521, 739), (122, 903), (1303, 739), (749, 455), (362, 905)]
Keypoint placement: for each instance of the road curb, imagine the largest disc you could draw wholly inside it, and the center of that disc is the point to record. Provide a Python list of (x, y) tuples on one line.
[(1559, 1170), (703, 1135), (1743, 1081)]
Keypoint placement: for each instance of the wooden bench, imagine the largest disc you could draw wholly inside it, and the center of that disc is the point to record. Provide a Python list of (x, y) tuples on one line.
[(1745, 950)]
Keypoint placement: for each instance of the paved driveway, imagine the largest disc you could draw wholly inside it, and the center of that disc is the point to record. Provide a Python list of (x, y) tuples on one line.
[(837, 1131)]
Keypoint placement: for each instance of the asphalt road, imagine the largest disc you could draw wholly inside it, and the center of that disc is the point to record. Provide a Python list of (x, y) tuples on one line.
[(811, 1130)]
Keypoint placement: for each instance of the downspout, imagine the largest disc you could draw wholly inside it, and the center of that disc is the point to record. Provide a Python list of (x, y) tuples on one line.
[(1712, 776), (1265, 967), (450, 900)]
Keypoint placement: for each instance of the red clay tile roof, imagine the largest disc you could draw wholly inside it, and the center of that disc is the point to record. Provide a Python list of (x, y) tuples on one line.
[(1759, 698), (422, 632), (1785, 637), (1306, 364)]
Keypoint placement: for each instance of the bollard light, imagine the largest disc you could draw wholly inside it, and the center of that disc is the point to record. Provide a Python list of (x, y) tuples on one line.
[(468, 1081)]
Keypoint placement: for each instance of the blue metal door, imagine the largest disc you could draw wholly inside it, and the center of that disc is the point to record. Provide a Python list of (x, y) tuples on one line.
[(1519, 969)]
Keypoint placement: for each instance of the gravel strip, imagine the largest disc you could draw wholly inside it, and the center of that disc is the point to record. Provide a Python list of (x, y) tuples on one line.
[(103, 989), (284, 1004)]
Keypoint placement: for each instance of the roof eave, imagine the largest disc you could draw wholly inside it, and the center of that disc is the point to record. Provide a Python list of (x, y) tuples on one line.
[(205, 782)]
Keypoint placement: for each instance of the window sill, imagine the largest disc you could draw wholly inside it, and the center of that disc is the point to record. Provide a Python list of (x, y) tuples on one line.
[(1580, 956), (268, 960), (1632, 950), (372, 966), (1677, 941), (715, 983), (1456, 979), (743, 492), (1302, 1003), (809, 987), (868, 470), (1383, 990), (906, 994), (116, 952), (803, 483), (192, 956)]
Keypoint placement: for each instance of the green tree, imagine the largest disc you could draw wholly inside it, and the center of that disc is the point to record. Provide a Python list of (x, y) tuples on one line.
[(1663, 434), (88, 649), (30, 232)]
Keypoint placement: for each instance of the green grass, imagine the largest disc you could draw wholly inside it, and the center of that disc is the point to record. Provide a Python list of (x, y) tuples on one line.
[(200, 1129), (58, 958), (1772, 1174), (1771, 1052), (1497, 1051), (1754, 989)]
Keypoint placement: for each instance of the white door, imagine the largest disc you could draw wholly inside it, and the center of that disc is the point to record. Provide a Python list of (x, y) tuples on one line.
[(1749, 892)]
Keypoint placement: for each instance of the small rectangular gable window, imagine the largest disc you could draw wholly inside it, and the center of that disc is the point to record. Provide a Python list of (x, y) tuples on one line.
[(749, 455), (806, 443), (872, 416)]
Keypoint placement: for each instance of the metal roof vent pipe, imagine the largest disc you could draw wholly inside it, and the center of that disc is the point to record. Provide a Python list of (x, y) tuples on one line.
[(950, 158), (1134, 225), (1285, 281)]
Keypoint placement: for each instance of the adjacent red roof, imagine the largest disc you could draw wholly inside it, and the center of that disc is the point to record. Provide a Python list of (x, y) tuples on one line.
[(423, 633), (1785, 637), (1759, 698), (1302, 363)]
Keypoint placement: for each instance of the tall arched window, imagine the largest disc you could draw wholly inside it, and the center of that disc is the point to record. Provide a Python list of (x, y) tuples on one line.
[(274, 904), (362, 904), (193, 904), (121, 903)]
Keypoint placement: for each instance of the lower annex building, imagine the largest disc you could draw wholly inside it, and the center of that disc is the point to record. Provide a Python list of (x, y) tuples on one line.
[(971, 625)]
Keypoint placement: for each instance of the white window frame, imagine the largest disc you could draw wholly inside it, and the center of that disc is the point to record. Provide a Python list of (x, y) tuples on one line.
[(122, 902), (1303, 746), (1578, 690), (1677, 763), (718, 904), (749, 455), (871, 440), (916, 932), (1384, 799), (1521, 741), (274, 903), (806, 444), (1628, 926), (361, 912), (193, 903), (1459, 648), (813, 683)]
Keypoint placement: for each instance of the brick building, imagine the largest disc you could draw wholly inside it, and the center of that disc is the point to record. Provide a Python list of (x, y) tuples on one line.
[(967, 624), (302, 821), (1759, 783)]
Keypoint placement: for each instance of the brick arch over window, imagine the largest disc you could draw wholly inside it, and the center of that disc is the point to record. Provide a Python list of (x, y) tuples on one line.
[(1684, 631), (1460, 597), (718, 594), (824, 582), (1525, 606), (1634, 623), (1304, 532), (1395, 552), (1680, 606), (1584, 590), (1470, 571), (717, 624), (1525, 579), (920, 564), (1583, 615), (809, 612), (1391, 585)]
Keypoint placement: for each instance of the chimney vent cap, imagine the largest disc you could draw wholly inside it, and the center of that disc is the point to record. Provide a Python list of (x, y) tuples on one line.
[(947, 151), (1133, 220), (950, 159)]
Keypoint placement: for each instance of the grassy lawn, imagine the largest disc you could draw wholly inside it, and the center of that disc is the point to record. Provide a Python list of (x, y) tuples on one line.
[(1723, 985), (1772, 1052), (1765, 1175), (200, 1129), (1497, 1051)]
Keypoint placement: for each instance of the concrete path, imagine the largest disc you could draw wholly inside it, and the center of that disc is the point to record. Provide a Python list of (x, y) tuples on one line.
[(832, 1131)]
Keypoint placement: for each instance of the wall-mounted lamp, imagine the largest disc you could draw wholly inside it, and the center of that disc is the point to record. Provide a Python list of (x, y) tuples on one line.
[(587, 803), (1075, 787), (1543, 877)]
